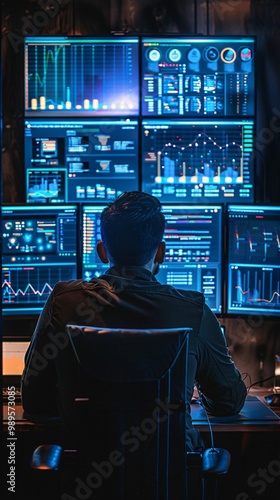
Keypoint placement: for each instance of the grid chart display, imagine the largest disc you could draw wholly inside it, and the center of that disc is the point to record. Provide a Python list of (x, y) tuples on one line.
[(81, 76), (46, 185), (198, 161), (253, 260)]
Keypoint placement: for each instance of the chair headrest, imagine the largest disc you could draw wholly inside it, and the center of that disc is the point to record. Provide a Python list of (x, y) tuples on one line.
[(124, 354)]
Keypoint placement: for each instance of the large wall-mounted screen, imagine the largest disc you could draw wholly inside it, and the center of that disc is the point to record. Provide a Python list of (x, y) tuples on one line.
[(39, 249), (81, 76), (198, 76), (74, 160), (253, 254), (199, 161)]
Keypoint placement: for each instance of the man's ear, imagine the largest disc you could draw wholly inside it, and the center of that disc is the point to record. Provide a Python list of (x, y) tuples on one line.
[(102, 254), (159, 257)]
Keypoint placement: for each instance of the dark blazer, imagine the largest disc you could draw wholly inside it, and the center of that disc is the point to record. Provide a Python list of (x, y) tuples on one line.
[(131, 297)]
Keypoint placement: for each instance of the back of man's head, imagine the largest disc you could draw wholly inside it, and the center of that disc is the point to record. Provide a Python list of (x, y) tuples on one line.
[(132, 228)]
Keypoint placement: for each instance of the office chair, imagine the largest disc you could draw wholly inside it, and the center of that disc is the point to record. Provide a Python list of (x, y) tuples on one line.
[(123, 398)]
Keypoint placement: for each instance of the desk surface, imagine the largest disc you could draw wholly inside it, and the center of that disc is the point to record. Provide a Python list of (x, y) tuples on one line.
[(256, 415)]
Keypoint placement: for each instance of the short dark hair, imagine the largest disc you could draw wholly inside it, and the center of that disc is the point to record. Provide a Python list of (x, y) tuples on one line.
[(132, 227)]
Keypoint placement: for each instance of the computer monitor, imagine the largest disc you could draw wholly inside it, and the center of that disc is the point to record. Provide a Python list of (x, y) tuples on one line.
[(253, 260), (198, 76), (75, 160), (193, 260), (39, 246), (81, 76), (92, 267), (199, 161), (193, 238)]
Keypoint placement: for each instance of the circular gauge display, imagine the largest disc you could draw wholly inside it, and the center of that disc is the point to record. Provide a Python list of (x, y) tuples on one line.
[(228, 55), (211, 54), (194, 55), (154, 55), (174, 55), (246, 54)]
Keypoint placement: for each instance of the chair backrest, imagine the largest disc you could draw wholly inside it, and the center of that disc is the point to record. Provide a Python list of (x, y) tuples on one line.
[(130, 411)]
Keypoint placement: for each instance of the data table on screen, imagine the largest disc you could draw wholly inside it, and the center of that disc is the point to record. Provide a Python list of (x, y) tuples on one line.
[(198, 76), (193, 259)]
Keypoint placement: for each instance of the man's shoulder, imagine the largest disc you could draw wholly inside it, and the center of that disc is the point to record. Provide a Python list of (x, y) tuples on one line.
[(74, 285), (191, 296)]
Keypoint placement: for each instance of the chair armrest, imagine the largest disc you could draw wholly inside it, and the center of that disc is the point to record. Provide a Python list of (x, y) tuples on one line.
[(46, 457), (215, 461)]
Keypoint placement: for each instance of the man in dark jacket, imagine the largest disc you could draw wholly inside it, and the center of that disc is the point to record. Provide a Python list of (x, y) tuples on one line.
[(128, 295)]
